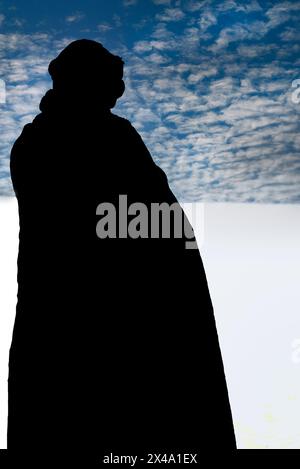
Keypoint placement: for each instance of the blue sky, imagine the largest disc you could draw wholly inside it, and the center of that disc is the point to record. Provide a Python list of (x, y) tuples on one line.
[(210, 86)]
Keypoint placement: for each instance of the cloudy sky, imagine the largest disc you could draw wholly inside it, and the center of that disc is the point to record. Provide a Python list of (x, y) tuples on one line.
[(211, 86)]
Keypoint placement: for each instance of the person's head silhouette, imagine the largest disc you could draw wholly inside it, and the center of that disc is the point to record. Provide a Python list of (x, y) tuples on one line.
[(88, 73)]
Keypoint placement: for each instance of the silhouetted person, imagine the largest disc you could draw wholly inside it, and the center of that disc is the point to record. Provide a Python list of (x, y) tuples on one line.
[(114, 345)]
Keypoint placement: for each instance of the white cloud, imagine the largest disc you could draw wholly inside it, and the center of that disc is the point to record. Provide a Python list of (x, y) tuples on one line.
[(143, 46), (230, 34), (104, 27), (240, 32), (19, 22), (117, 20), (157, 58), (75, 17), (207, 20), (290, 35), (147, 46), (222, 125), (236, 140), (171, 14), (195, 5), (245, 7), (276, 15), (256, 50), (161, 2), (281, 12), (129, 3), (200, 74)]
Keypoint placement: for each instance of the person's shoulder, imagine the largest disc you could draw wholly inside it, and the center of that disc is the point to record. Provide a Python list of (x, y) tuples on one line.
[(27, 136), (126, 123), (30, 127), (121, 121), (128, 133), (24, 136)]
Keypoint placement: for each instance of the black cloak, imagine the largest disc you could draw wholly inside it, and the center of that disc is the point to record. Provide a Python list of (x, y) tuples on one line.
[(114, 346)]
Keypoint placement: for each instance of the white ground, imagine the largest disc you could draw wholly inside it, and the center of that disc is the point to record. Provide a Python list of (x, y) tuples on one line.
[(251, 255)]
